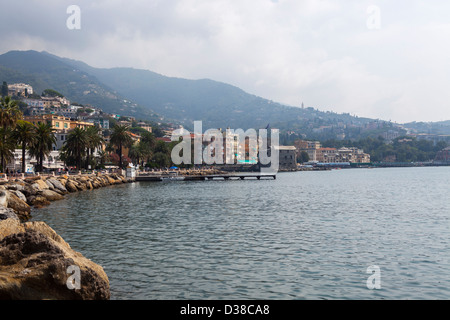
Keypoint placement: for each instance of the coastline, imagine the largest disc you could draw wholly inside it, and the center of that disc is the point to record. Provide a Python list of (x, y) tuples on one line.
[(34, 259), (35, 262)]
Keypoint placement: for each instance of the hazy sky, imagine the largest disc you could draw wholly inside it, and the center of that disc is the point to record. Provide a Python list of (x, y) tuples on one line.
[(380, 59)]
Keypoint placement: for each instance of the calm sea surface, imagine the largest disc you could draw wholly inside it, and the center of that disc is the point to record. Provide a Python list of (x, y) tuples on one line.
[(305, 235)]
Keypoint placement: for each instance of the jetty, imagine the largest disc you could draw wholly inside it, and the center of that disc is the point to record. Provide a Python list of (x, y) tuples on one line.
[(143, 176)]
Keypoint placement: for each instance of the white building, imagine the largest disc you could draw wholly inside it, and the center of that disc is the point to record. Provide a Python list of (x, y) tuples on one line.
[(19, 89), (51, 162)]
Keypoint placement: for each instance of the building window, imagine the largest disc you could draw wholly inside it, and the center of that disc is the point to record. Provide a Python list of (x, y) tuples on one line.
[(57, 124), (65, 125)]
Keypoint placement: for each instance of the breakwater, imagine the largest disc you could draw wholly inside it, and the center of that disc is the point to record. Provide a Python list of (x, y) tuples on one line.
[(35, 262), (22, 194)]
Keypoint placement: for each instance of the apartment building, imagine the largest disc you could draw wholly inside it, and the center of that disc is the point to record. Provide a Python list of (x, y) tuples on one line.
[(58, 122)]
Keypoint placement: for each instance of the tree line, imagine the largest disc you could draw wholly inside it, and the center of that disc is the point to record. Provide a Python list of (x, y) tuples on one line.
[(16, 132)]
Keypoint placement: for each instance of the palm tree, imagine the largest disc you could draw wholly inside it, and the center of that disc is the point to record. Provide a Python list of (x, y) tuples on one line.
[(120, 138), (42, 145), (135, 153), (7, 145), (103, 157), (9, 115), (147, 145), (94, 141), (25, 136), (9, 112), (76, 145)]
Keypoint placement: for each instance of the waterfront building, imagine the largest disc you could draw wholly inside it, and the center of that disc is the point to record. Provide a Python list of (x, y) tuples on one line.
[(301, 145), (352, 155), (314, 145), (311, 148), (239, 149), (287, 157), (52, 162), (15, 163), (326, 155), (331, 155)]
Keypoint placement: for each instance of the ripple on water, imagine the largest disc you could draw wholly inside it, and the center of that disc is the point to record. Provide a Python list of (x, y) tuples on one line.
[(305, 235)]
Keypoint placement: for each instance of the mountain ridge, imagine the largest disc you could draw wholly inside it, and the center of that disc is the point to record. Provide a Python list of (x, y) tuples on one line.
[(151, 96), (42, 71)]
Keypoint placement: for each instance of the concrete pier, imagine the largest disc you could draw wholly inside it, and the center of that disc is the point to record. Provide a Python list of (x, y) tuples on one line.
[(236, 176)]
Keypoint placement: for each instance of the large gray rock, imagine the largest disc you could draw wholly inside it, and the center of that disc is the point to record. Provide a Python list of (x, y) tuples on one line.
[(38, 201), (19, 194), (21, 207), (58, 185), (71, 187), (40, 185), (3, 198), (17, 187), (7, 213), (51, 195), (37, 264), (49, 184)]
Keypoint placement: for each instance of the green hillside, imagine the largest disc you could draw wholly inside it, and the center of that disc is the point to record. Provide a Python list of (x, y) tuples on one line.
[(43, 71), (217, 104), (151, 96)]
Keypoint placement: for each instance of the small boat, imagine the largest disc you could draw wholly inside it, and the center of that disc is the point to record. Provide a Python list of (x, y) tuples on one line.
[(172, 176)]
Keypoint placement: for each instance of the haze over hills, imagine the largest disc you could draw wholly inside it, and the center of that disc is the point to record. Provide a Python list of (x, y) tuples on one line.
[(217, 104), (43, 71), (151, 96)]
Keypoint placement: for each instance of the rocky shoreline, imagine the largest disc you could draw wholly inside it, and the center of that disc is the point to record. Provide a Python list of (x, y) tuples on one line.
[(35, 262)]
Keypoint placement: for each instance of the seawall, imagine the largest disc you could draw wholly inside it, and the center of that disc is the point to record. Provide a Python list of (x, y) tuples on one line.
[(35, 262)]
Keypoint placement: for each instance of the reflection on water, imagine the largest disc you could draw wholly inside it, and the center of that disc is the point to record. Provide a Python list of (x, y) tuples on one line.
[(305, 235)]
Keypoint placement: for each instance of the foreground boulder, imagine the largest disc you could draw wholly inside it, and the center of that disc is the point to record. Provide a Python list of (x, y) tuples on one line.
[(7, 213), (9, 200), (36, 263)]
